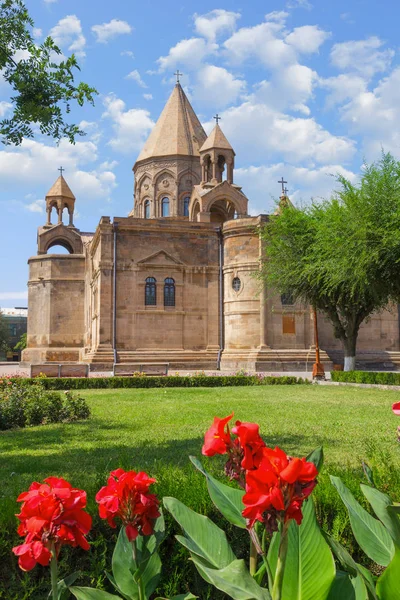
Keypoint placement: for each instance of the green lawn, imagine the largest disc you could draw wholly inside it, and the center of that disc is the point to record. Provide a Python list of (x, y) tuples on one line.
[(156, 430), (153, 429)]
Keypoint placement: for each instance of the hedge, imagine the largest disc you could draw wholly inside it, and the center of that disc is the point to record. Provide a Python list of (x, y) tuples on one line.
[(80, 383), (382, 378)]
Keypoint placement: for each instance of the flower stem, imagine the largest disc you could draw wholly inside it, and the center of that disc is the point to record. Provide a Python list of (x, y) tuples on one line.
[(253, 559), (280, 565), (54, 573), (138, 578)]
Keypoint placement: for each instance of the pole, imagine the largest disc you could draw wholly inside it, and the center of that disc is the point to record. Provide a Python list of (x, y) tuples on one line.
[(318, 371)]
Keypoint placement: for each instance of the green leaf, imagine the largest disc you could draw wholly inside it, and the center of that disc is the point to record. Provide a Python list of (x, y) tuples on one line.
[(234, 579), (206, 539), (85, 593), (351, 567), (64, 584), (151, 572), (395, 507), (123, 567), (317, 457), (388, 584), (342, 588), (381, 504), (370, 534), (368, 473), (187, 596), (228, 500), (310, 568)]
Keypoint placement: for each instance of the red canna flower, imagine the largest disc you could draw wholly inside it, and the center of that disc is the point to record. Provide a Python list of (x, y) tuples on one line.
[(126, 496), (217, 440), (276, 490), (396, 408), (51, 515), (251, 443)]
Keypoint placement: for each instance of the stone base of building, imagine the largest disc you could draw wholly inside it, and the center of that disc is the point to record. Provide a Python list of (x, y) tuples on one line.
[(369, 360), (267, 359), (37, 356), (103, 359)]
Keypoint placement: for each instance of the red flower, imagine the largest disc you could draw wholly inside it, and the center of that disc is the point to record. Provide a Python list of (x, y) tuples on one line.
[(276, 490), (127, 497), (251, 443), (51, 515), (217, 440), (396, 408)]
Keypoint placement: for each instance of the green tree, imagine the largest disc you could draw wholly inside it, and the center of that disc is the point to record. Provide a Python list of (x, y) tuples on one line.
[(4, 335), (21, 344), (42, 88), (341, 255)]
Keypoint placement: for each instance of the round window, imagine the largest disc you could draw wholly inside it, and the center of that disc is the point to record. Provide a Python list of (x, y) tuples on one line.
[(236, 284)]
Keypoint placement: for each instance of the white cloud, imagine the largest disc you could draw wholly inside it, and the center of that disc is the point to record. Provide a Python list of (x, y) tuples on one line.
[(131, 127), (260, 184), (375, 115), (36, 206), (25, 165), (255, 125), (189, 53), (299, 4), (14, 295), (68, 33), (217, 87), (342, 88), (135, 76), (108, 165), (307, 39), (127, 53), (363, 56), (215, 22), (50, 1), (148, 96), (37, 33), (290, 87), (4, 108), (108, 31)]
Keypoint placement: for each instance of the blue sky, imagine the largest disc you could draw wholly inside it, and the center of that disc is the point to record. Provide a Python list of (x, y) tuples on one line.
[(305, 90)]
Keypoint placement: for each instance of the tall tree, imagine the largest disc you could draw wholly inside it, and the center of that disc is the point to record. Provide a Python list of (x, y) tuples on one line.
[(341, 255), (42, 87), (4, 334)]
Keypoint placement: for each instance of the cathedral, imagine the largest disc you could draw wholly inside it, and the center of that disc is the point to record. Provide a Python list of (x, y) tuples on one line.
[(175, 281)]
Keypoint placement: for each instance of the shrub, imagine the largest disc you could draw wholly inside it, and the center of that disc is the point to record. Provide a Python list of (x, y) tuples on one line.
[(28, 405), (371, 377), (176, 381)]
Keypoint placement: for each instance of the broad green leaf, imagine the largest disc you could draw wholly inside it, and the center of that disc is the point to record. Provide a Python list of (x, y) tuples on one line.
[(342, 588), (310, 568), (188, 596), (85, 593), (206, 539), (381, 504), (317, 457), (368, 473), (234, 579), (368, 531), (123, 567), (228, 500), (351, 567), (146, 545), (388, 584), (151, 573), (395, 507)]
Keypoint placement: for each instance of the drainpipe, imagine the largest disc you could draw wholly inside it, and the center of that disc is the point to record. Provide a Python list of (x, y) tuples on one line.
[(114, 316), (221, 298)]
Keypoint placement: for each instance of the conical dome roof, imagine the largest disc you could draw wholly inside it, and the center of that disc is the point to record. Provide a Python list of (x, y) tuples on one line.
[(216, 139), (61, 189), (177, 131)]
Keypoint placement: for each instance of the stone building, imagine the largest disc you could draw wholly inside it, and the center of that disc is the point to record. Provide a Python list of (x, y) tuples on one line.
[(174, 281)]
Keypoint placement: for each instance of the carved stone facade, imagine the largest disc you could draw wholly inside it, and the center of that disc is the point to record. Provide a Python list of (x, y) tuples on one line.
[(175, 281)]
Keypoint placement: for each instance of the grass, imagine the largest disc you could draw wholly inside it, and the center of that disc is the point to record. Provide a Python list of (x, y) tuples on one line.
[(155, 430)]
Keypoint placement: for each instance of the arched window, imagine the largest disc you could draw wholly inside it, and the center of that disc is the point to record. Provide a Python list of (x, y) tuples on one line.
[(186, 201), (165, 207), (147, 209), (150, 295), (169, 292), (287, 299)]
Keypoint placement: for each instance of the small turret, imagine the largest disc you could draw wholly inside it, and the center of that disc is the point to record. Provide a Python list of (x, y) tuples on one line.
[(60, 197), (215, 153)]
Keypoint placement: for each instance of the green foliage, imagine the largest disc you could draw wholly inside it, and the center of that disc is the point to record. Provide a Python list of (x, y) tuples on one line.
[(4, 334), (43, 87), (341, 255), (381, 378), (24, 406), (21, 345), (169, 381)]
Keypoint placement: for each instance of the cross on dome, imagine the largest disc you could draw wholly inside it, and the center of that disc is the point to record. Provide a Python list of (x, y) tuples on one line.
[(217, 118), (61, 169), (178, 75), (282, 182)]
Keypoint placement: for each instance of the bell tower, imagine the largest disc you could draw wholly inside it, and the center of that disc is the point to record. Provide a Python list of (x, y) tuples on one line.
[(216, 157), (60, 197)]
